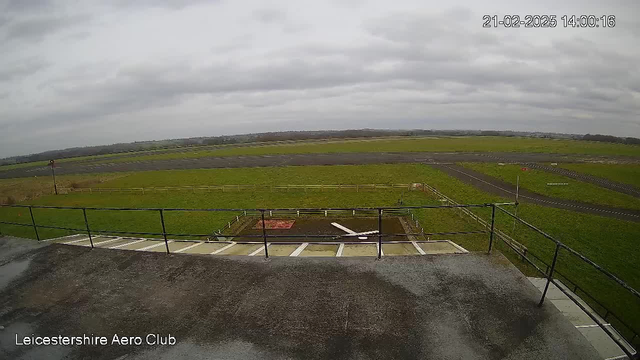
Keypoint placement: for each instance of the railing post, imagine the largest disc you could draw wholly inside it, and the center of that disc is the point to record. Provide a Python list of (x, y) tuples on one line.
[(379, 234), (264, 236), (86, 223), (553, 266), (164, 231), (493, 224), (33, 221)]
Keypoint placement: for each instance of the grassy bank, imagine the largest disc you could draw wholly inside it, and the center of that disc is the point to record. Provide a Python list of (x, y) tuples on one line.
[(623, 173), (536, 180), (609, 242), (418, 144)]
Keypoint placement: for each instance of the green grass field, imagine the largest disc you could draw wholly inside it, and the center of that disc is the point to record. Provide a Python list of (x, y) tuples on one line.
[(536, 180), (418, 144), (626, 174), (609, 242)]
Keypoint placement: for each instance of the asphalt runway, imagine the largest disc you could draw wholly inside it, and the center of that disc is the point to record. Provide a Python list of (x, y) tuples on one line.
[(495, 186), (302, 160)]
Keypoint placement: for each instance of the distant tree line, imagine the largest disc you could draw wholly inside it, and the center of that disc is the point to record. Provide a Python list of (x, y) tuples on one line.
[(612, 139), (290, 136)]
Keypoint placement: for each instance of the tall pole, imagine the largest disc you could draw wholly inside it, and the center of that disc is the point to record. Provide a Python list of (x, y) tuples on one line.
[(52, 163)]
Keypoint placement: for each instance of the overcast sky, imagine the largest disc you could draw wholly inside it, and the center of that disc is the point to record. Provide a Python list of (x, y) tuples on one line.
[(75, 73)]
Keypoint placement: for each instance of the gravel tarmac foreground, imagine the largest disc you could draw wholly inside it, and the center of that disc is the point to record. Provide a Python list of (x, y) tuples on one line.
[(306, 159), (470, 306)]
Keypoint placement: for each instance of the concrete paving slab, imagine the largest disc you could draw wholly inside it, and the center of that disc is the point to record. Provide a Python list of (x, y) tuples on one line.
[(241, 249), (606, 347), (552, 293), (140, 245), (439, 247), (572, 312), (104, 242), (399, 249), (360, 250), (205, 248), (278, 250), (173, 246), (319, 250)]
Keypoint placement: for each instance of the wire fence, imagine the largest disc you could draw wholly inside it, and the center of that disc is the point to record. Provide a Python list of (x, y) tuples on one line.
[(629, 332), (235, 188)]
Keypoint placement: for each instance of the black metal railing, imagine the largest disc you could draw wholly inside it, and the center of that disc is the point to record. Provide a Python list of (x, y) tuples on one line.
[(550, 271)]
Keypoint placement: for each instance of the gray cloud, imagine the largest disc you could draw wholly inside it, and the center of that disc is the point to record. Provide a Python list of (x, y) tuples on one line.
[(394, 68), (37, 27)]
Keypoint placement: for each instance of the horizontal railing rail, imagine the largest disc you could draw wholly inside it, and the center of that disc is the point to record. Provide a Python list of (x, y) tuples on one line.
[(549, 273)]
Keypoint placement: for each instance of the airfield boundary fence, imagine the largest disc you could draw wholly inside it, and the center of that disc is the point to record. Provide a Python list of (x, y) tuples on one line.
[(235, 188), (629, 332)]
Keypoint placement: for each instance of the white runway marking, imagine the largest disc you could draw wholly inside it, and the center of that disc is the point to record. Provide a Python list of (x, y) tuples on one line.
[(129, 243), (75, 241), (259, 249), (188, 247), (222, 249), (299, 249), (418, 248), (340, 249), (154, 245), (106, 241)]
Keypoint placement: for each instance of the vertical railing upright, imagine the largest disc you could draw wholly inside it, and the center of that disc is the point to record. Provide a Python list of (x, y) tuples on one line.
[(264, 235), (164, 231), (86, 224), (550, 276), (493, 225), (379, 233), (33, 221)]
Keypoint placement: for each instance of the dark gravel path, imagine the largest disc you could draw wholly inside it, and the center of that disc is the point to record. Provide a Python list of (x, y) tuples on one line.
[(495, 186), (300, 160)]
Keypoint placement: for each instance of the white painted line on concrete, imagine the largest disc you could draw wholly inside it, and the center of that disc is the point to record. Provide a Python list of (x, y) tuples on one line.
[(340, 249), (458, 246), (75, 241), (106, 241), (590, 326), (222, 249), (619, 357), (129, 243), (154, 245), (299, 249), (418, 248), (188, 247), (259, 249), (62, 237)]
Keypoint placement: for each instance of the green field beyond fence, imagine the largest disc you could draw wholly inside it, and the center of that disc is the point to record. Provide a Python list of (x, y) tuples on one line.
[(417, 144), (609, 242)]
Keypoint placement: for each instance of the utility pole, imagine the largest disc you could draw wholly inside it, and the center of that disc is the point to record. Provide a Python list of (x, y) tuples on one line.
[(52, 164)]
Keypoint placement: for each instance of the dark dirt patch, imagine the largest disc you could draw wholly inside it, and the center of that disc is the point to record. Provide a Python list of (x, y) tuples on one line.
[(307, 225)]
